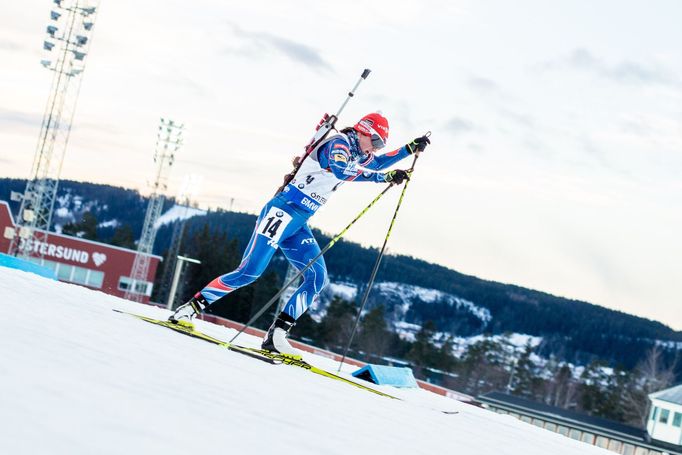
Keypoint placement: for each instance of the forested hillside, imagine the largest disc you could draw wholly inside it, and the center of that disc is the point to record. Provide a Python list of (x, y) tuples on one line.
[(574, 340), (578, 331)]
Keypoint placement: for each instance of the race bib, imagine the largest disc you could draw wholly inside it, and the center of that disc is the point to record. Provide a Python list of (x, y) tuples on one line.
[(273, 224)]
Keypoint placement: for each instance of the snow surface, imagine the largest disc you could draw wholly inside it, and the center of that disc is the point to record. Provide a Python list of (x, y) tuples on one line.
[(176, 213), (110, 223), (512, 342), (62, 212), (347, 291), (406, 330), (667, 344), (78, 378), (410, 292)]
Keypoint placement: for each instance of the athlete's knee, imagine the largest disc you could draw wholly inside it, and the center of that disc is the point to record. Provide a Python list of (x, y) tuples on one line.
[(317, 276)]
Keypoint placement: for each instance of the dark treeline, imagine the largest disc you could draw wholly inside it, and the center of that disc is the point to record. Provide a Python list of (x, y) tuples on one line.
[(90, 204)]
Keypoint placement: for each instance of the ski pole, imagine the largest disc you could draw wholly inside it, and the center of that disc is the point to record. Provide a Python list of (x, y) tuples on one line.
[(326, 125), (329, 121), (310, 264), (363, 76), (377, 263)]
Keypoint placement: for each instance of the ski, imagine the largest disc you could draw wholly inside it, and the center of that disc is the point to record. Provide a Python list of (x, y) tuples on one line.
[(189, 331), (260, 354)]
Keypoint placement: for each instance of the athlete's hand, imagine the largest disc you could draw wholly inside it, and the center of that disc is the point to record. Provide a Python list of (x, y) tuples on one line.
[(418, 145), (398, 176)]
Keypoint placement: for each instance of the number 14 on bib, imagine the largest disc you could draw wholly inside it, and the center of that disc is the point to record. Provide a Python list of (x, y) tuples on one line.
[(273, 224)]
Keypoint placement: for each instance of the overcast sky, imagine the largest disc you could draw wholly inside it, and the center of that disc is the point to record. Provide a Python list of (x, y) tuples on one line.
[(556, 126)]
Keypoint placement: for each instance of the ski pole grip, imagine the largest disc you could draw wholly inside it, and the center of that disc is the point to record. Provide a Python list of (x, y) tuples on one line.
[(366, 73)]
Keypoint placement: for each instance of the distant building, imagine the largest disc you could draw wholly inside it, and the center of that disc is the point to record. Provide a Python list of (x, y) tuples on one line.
[(665, 419), (614, 436), (92, 264)]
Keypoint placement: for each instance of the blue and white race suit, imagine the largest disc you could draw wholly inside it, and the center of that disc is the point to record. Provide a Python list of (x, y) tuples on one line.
[(282, 223)]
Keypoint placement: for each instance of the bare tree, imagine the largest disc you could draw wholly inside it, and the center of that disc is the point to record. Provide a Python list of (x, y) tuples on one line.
[(561, 390), (652, 374)]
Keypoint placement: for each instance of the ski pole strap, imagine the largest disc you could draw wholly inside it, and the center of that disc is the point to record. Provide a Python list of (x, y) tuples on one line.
[(310, 264)]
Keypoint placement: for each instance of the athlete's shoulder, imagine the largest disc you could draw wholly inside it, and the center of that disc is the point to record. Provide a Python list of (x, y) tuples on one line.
[(336, 144), (339, 141)]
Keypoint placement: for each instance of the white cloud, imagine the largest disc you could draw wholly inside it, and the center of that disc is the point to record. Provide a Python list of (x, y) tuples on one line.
[(259, 44), (624, 71)]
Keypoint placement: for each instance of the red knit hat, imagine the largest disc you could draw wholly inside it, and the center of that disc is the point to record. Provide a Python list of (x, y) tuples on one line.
[(373, 124)]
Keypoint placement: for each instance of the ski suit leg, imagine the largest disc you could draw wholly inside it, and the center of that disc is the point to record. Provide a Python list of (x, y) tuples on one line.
[(300, 248), (275, 223)]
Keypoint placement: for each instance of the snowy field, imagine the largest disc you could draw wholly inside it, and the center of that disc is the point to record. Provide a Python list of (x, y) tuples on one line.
[(78, 378)]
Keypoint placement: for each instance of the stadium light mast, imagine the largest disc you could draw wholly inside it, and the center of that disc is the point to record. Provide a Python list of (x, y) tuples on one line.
[(66, 44), (168, 142)]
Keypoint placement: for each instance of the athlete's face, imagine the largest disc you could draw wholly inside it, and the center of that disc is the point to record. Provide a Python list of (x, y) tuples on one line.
[(366, 144)]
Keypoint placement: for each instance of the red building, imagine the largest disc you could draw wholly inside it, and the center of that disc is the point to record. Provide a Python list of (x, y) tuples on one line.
[(92, 264)]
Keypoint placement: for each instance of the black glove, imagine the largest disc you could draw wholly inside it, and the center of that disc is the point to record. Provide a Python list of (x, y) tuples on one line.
[(398, 176), (418, 145)]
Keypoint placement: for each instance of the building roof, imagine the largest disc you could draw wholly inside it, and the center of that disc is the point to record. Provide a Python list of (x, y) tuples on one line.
[(576, 420), (5, 206), (560, 414), (671, 395)]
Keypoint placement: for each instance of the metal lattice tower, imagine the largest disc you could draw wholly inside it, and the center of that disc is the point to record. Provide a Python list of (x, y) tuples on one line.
[(66, 46), (168, 142)]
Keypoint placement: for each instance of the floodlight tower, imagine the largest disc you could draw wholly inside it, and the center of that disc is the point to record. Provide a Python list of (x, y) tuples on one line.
[(168, 142), (66, 45)]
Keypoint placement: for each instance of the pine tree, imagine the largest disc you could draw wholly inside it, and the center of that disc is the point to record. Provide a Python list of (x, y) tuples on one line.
[(444, 359), (422, 353), (263, 290), (600, 391), (374, 337), (307, 330), (524, 376), (123, 237), (86, 228), (218, 255), (89, 226), (337, 324), (482, 368)]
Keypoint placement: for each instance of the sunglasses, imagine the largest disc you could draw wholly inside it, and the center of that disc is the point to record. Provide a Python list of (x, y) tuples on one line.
[(377, 142)]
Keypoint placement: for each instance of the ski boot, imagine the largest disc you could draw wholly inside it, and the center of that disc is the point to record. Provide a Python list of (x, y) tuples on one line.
[(276, 338), (185, 313)]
